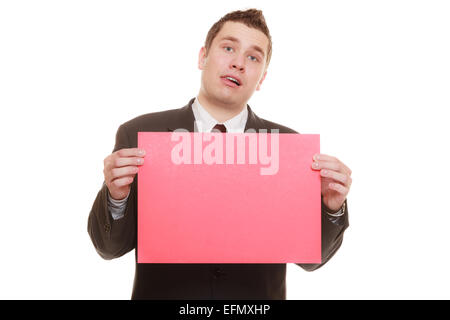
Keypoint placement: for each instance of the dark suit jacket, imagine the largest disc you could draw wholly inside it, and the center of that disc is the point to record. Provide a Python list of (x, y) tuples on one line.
[(114, 238)]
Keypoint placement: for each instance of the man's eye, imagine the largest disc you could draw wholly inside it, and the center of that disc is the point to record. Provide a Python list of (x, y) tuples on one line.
[(253, 58), (229, 49)]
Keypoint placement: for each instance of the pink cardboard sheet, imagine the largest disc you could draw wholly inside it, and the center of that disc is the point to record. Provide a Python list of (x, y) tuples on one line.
[(228, 198)]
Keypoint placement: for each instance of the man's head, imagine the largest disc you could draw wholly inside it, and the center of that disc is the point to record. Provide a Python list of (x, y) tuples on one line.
[(235, 58), (252, 18)]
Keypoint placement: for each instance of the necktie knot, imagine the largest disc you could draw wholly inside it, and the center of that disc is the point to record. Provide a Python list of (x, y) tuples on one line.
[(220, 128)]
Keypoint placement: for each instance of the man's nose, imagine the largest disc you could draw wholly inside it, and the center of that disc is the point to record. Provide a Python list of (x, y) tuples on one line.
[(238, 64), (238, 67)]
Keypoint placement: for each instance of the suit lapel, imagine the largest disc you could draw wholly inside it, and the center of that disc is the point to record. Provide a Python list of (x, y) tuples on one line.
[(184, 118), (253, 121)]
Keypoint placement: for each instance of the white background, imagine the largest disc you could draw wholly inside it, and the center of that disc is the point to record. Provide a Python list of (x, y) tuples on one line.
[(372, 77)]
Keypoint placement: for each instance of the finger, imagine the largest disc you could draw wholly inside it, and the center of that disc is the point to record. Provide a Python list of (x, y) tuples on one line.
[(338, 176), (332, 165), (321, 156), (130, 152), (339, 188), (130, 161), (123, 181), (112, 161), (325, 157), (124, 171)]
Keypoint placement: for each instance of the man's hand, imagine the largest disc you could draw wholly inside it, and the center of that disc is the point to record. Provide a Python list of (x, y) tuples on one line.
[(119, 170), (335, 180)]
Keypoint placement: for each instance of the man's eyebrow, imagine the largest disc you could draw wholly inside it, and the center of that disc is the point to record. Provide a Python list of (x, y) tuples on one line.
[(254, 47)]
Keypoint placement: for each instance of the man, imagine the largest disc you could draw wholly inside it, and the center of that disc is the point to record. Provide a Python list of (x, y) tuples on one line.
[(234, 64)]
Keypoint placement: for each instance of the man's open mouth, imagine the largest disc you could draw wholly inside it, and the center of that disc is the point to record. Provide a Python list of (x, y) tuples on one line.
[(232, 79)]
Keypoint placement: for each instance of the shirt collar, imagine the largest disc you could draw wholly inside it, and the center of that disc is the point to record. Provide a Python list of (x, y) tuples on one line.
[(205, 122)]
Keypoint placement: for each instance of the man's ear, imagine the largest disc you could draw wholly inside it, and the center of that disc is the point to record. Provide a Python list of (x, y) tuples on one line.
[(261, 81), (202, 58)]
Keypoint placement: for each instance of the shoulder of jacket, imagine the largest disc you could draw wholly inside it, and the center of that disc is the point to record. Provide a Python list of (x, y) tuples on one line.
[(155, 120)]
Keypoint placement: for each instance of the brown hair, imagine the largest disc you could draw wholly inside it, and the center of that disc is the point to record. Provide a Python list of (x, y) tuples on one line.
[(252, 18)]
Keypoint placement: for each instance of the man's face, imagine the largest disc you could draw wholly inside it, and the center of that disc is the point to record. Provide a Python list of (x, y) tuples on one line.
[(238, 52)]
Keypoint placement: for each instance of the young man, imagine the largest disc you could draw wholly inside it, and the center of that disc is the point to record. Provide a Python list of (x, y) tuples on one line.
[(234, 64)]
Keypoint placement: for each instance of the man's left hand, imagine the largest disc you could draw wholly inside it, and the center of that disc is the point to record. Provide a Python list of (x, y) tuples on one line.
[(335, 180)]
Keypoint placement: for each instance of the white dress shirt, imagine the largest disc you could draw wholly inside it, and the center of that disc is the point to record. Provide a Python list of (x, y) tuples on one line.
[(206, 122)]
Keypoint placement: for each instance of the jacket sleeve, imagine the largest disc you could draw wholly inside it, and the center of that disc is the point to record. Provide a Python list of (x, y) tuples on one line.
[(113, 238), (332, 237)]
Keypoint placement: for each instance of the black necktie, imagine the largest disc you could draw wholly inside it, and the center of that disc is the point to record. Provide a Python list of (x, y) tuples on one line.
[(219, 127)]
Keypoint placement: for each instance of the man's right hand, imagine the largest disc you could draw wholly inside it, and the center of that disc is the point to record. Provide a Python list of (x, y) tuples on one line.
[(120, 167)]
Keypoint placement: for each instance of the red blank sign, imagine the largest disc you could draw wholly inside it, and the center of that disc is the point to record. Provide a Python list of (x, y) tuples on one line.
[(197, 203)]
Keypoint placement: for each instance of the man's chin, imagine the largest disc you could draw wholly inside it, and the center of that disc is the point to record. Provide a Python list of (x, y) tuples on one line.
[(230, 100), (226, 99)]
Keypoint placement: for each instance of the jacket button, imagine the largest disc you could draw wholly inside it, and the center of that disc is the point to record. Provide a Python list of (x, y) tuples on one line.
[(217, 273), (107, 228)]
